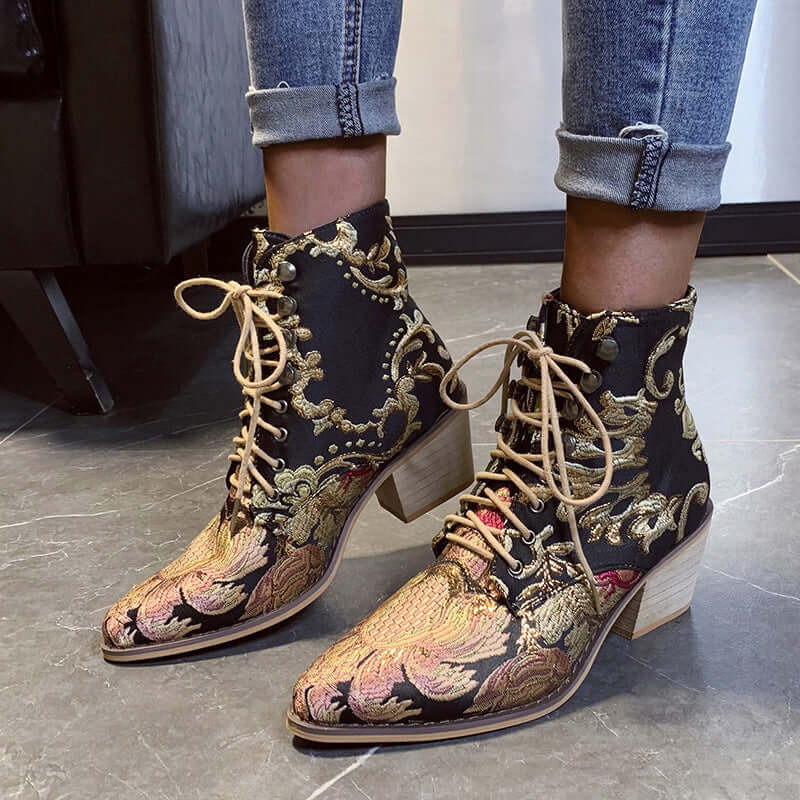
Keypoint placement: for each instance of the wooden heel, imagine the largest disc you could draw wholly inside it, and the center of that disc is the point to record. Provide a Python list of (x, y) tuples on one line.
[(432, 472), (667, 591)]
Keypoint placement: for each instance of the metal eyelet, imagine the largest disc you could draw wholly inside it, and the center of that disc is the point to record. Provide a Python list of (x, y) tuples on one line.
[(515, 572), (286, 306), (571, 410), (286, 271), (288, 376), (539, 507), (282, 435), (279, 465), (607, 349), (283, 407), (527, 537), (591, 381)]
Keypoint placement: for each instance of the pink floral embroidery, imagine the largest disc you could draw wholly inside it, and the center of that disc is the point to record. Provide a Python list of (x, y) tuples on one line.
[(616, 580)]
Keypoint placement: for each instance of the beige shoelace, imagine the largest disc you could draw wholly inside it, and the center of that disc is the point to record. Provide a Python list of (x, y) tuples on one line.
[(245, 302), (546, 421)]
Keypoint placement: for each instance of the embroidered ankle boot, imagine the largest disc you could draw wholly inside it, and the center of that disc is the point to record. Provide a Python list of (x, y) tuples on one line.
[(591, 517), (341, 376)]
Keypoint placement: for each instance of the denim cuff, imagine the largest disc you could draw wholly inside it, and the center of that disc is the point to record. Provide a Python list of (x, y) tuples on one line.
[(296, 114), (641, 168)]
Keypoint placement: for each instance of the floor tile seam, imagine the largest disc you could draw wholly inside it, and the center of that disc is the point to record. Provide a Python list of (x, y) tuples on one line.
[(783, 268)]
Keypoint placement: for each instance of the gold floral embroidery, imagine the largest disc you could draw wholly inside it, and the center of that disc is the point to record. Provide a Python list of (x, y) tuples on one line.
[(687, 420), (294, 529), (206, 577), (681, 408), (568, 613), (428, 634), (320, 518), (343, 247), (262, 244), (608, 322), (326, 414), (646, 516), (605, 327), (662, 347), (698, 493), (570, 318), (295, 486), (627, 420), (417, 330)]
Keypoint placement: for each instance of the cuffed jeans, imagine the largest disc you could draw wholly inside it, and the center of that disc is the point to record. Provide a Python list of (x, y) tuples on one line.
[(648, 88)]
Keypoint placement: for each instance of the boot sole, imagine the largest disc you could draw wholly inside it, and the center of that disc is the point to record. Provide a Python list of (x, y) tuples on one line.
[(671, 584), (405, 487)]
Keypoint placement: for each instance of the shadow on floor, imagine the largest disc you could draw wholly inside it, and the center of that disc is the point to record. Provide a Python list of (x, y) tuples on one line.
[(150, 353)]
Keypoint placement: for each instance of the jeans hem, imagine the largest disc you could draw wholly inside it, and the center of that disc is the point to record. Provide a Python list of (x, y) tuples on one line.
[(647, 171), (301, 113)]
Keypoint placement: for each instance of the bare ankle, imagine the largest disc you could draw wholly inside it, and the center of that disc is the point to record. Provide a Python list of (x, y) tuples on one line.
[(626, 259), (310, 183)]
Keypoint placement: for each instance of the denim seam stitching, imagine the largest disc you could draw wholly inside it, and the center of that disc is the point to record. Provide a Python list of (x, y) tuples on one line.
[(642, 195), (667, 61), (347, 105), (356, 59), (347, 44), (348, 111)]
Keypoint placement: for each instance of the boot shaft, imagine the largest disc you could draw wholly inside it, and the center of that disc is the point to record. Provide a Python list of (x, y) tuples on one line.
[(364, 364), (660, 486)]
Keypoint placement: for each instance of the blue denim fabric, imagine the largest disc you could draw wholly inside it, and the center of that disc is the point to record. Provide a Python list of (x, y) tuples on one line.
[(321, 69), (648, 88), (648, 93)]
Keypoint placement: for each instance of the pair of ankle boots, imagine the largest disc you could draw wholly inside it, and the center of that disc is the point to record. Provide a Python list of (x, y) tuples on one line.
[(591, 516)]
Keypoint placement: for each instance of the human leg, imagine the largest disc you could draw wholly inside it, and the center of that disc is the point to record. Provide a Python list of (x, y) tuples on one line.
[(648, 94), (592, 514), (322, 101)]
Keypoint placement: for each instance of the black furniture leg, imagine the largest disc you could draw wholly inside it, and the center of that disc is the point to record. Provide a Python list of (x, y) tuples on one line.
[(37, 306)]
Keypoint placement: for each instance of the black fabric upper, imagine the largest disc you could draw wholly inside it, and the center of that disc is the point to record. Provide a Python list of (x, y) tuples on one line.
[(661, 470), (353, 337)]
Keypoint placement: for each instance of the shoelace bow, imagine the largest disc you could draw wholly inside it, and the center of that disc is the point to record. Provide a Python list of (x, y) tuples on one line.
[(245, 301), (546, 420)]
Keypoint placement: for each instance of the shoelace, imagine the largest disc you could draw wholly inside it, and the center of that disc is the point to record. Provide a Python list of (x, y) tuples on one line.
[(546, 420), (244, 300)]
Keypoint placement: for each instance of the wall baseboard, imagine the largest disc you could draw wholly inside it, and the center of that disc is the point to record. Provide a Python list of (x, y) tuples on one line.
[(531, 236), (734, 229)]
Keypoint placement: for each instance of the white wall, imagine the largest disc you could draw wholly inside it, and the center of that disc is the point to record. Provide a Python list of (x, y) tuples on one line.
[(479, 99), (765, 163)]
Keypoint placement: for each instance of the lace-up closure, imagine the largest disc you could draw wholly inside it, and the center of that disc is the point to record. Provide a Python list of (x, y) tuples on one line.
[(549, 365), (479, 641), (246, 303), (340, 373)]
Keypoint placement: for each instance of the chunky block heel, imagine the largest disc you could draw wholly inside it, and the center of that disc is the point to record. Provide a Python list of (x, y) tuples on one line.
[(667, 592), (432, 473)]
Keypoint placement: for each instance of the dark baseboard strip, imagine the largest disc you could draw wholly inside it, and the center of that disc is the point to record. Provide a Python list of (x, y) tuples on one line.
[(536, 236)]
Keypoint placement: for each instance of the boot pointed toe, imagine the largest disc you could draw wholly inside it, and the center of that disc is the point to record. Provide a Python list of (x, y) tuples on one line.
[(336, 407)]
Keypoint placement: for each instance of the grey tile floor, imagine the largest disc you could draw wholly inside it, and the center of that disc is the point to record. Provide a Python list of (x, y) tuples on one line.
[(706, 707)]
